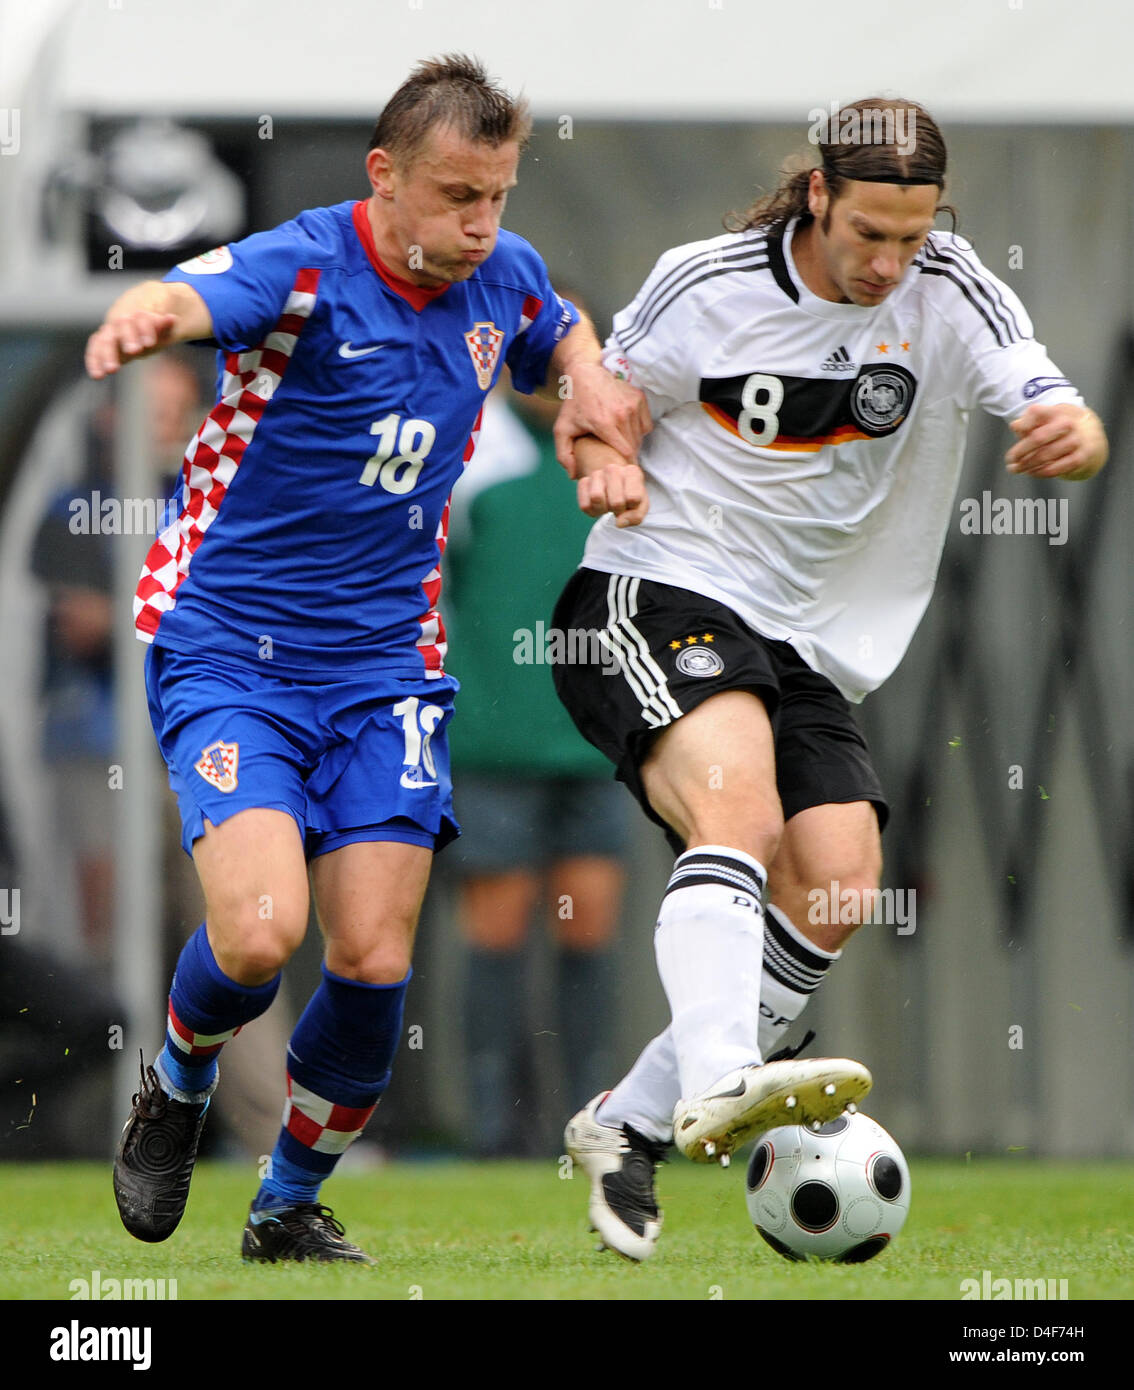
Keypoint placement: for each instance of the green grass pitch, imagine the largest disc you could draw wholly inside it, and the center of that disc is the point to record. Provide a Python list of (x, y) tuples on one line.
[(498, 1231)]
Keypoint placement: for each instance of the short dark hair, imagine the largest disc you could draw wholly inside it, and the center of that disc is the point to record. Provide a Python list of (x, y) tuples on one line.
[(877, 160), (455, 91)]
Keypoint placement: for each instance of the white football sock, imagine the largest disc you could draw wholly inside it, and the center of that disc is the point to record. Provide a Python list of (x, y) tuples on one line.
[(710, 953), (645, 1097), (794, 969)]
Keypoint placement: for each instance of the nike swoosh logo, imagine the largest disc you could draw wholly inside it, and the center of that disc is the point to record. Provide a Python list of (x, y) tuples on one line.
[(737, 1090), (413, 781), (345, 350)]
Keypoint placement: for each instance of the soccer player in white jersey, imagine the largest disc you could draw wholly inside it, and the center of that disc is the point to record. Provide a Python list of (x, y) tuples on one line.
[(809, 377)]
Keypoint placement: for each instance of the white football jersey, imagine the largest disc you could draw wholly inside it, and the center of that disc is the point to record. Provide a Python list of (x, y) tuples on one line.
[(805, 454)]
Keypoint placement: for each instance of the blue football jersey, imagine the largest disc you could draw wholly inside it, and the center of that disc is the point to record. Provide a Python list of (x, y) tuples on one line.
[(314, 496)]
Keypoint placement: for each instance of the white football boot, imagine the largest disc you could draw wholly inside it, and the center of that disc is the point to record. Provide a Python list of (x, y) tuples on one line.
[(710, 1127), (620, 1164)]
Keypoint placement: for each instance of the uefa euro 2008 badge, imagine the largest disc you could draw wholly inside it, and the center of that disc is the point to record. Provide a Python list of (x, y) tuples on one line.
[(217, 765), (208, 262)]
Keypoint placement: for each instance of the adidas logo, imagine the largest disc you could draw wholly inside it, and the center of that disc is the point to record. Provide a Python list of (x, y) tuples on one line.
[(839, 360)]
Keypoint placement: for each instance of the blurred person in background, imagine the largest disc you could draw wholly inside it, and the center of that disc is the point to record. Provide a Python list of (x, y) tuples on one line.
[(73, 556), (543, 826)]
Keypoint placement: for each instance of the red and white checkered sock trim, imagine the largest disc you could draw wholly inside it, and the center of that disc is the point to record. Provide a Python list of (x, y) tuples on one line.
[(191, 1044), (320, 1124)]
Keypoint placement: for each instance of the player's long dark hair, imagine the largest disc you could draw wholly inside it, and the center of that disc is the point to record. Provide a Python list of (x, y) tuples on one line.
[(450, 91), (867, 157)]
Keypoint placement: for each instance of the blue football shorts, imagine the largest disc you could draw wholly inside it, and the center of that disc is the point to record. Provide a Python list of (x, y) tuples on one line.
[(365, 758)]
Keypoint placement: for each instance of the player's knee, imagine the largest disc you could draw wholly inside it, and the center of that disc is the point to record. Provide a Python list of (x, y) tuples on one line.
[(254, 941), (386, 964), (263, 956), (754, 828)]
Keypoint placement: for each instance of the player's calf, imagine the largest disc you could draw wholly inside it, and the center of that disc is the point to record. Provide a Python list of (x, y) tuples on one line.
[(825, 876)]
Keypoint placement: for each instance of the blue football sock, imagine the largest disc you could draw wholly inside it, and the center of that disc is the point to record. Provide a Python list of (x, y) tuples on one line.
[(338, 1065), (206, 1008)]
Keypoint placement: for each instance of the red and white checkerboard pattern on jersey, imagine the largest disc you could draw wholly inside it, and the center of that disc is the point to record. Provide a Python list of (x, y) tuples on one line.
[(250, 381), (432, 643)]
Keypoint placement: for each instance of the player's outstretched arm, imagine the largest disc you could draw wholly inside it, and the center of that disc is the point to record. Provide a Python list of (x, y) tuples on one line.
[(596, 402), (608, 483), (144, 320), (1058, 441)]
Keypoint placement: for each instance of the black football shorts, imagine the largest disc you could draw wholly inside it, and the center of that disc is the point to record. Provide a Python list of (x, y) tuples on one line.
[(636, 655)]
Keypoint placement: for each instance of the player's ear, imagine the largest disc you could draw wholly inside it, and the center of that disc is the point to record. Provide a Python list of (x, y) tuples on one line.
[(380, 172), (818, 195)]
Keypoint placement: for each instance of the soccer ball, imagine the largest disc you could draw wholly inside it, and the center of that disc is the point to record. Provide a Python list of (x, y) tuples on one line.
[(841, 1192)]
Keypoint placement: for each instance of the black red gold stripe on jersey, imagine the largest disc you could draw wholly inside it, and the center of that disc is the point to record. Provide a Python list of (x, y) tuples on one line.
[(785, 443), (813, 413)]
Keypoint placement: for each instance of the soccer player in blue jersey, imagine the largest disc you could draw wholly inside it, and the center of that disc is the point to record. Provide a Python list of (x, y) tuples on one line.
[(295, 673)]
